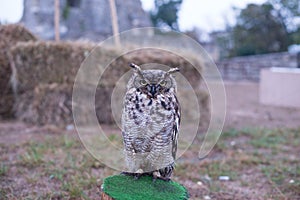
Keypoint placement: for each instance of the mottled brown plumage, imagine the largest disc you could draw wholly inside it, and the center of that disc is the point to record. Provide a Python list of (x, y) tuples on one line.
[(150, 122)]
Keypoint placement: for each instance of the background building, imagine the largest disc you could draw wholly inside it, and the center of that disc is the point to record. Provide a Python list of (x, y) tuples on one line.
[(82, 18)]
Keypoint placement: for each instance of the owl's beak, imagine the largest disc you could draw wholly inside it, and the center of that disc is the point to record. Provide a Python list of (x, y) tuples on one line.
[(152, 89)]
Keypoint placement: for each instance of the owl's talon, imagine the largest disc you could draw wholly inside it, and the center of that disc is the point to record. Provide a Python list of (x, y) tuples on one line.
[(139, 171), (154, 176), (164, 178), (154, 179), (137, 176), (128, 173)]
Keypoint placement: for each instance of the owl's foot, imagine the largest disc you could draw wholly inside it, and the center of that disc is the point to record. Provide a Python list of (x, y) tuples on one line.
[(136, 176), (164, 178), (165, 173), (156, 176), (128, 173)]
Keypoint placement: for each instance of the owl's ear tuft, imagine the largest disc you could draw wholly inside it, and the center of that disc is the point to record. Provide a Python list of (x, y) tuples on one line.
[(171, 71), (136, 68)]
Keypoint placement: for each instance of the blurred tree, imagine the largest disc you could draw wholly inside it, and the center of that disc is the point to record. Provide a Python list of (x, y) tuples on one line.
[(258, 30), (165, 14), (288, 11), (295, 36), (224, 41), (195, 33)]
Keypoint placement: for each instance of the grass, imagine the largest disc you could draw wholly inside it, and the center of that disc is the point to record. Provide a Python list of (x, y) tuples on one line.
[(249, 157), (3, 169), (231, 133), (58, 164), (265, 138), (285, 178), (122, 187), (217, 169), (264, 162), (33, 155)]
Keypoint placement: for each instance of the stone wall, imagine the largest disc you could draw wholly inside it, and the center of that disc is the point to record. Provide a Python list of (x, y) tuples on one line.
[(248, 67)]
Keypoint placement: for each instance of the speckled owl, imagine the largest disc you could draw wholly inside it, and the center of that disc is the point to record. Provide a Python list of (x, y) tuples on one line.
[(150, 122)]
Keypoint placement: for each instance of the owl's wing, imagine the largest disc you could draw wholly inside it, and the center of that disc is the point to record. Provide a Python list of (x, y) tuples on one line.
[(176, 125)]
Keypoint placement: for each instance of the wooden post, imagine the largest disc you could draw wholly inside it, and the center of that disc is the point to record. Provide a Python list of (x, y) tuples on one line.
[(56, 20), (114, 22), (105, 196)]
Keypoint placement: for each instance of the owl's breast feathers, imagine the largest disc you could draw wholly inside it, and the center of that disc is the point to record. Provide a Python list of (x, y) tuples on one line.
[(145, 119)]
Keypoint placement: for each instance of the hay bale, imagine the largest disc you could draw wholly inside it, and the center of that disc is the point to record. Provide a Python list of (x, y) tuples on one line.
[(48, 62), (203, 101), (51, 62), (52, 104), (46, 104), (46, 72), (9, 36), (170, 59), (103, 105), (143, 56)]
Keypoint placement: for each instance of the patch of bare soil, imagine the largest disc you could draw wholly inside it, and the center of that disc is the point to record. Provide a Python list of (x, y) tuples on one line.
[(244, 109)]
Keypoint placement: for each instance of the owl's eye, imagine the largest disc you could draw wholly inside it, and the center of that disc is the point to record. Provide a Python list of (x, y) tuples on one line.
[(143, 82), (163, 83)]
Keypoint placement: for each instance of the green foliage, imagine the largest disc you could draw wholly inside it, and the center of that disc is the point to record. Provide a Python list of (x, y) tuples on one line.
[(74, 191), (34, 155), (271, 141), (230, 133), (259, 30), (3, 169), (165, 13), (287, 11), (266, 28), (295, 36), (121, 187), (216, 169), (66, 12), (281, 175)]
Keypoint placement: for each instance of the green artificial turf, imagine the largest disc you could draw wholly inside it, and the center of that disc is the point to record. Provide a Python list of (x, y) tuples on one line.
[(122, 187)]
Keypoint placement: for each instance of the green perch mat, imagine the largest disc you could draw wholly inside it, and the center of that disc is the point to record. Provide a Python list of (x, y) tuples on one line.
[(122, 187)]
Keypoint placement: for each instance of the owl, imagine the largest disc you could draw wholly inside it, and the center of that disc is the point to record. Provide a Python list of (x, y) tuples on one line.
[(150, 123)]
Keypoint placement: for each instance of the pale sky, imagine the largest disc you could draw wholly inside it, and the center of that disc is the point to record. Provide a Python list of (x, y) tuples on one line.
[(207, 15), (11, 10)]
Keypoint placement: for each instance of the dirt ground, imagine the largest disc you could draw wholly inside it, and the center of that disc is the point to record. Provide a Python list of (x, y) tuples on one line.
[(255, 158), (244, 109)]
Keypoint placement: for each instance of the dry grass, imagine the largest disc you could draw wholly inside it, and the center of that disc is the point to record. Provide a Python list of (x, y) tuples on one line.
[(55, 168), (260, 164)]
